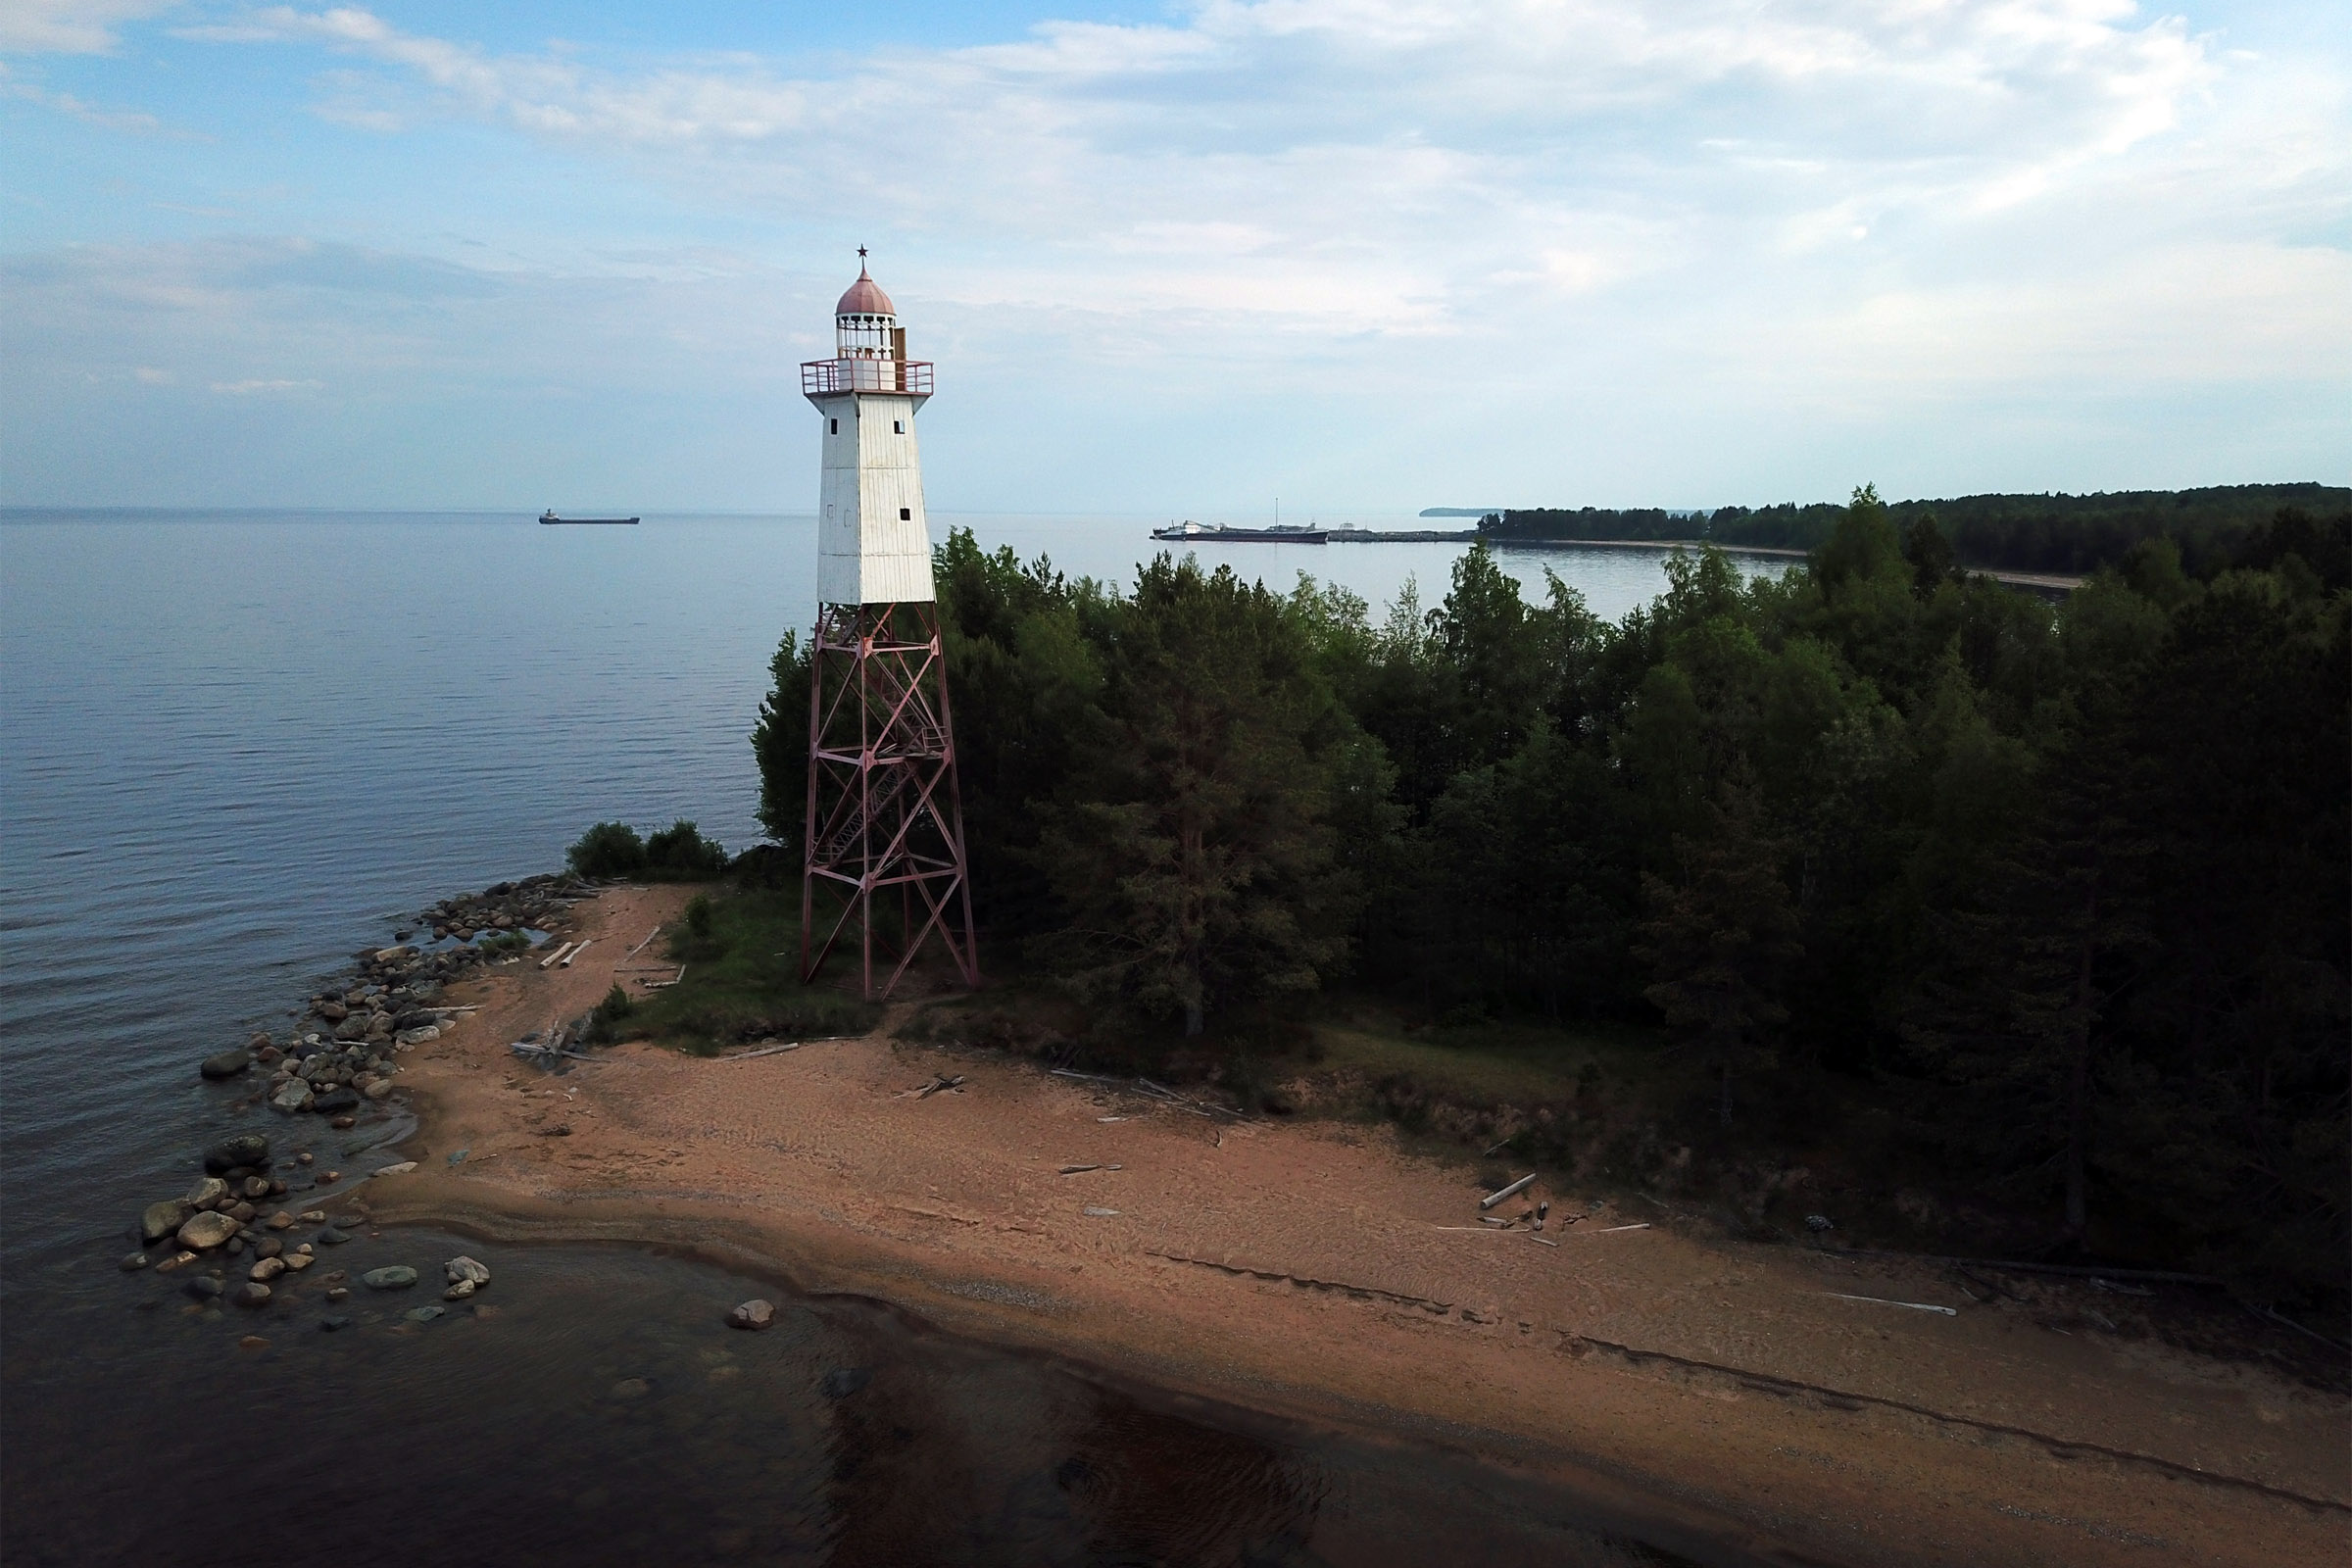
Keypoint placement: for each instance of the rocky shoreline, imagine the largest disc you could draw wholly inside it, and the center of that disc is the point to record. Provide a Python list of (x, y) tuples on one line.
[(244, 1233)]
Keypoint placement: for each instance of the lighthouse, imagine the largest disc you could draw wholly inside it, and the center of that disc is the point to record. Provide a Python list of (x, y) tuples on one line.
[(873, 546), (883, 860)]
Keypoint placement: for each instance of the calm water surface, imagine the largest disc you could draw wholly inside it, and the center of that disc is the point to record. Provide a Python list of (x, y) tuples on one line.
[(239, 747)]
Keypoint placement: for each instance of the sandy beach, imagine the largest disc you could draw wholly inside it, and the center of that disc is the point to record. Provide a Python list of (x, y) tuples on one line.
[(1320, 1270)]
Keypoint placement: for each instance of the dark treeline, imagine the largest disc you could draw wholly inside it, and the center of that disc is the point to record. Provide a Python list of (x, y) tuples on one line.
[(2059, 534), (2079, 876), (1597, 522)]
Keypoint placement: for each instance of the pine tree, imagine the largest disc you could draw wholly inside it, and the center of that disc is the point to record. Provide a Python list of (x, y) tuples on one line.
[(1192, 845), (780, 743), (2021, 1008), (1720, 939)]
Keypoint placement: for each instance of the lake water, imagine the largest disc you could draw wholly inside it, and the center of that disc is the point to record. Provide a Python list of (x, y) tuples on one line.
[(239, 747)]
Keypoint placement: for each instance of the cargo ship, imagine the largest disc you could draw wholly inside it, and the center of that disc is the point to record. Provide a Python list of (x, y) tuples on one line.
[(549, 517), (1190, 532)]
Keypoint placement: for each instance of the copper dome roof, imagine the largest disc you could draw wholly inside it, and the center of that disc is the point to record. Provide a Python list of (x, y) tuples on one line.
[(864, 298)]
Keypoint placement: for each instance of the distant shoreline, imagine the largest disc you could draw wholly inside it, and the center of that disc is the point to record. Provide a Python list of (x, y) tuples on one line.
[(2052, 581)]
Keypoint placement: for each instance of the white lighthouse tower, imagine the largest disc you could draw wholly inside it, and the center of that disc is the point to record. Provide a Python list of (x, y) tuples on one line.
[(883, 858), (873, 544)]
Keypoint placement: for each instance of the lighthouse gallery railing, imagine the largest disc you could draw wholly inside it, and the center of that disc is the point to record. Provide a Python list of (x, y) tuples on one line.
[(819, 377)]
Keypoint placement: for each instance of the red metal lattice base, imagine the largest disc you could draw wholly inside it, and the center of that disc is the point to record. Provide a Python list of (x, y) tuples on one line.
[(884, 863)]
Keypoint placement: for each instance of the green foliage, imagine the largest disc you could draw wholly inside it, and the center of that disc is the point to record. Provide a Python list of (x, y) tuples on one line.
[(1719, 938), (2061, 894), (2071, 536), (605, 1023), (780, 743), (676, 853), (701, 941), (1864, 544), (1592, 522), (606, 850), (1195, 850), (1930, 554), (1025, 648), (680, 854)]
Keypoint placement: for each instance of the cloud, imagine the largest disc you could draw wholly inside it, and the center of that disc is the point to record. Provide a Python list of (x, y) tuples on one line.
[(1628, 249), (69, 27), (250, 389), (1359, 165), (64, 103)]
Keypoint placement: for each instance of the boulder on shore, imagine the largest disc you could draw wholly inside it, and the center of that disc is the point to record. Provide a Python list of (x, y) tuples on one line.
[(465, 1270), (227, 1065), (208, 1191), (163, 1219), (393, 1277), (237, 1149), (207, 1230), (753, 1314), (297, 1096)]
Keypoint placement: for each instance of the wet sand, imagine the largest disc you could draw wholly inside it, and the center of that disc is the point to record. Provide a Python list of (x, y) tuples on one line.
[(1321, 1271)]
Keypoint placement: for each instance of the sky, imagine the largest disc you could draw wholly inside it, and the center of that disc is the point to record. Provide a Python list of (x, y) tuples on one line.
[(1366, 256)]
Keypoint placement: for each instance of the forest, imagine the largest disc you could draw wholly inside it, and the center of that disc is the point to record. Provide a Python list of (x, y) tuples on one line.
[(2067, 886), (2056, 534)]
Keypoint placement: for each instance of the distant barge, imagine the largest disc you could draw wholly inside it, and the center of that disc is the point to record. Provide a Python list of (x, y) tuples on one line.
[(1190, 532), (549, 517)]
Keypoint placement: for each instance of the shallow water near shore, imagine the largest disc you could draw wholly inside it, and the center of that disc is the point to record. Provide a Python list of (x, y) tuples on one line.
[(591, 1406), (239, 747)]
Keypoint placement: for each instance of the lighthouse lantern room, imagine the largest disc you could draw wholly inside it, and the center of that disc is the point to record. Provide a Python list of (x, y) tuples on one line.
[(884, 865)]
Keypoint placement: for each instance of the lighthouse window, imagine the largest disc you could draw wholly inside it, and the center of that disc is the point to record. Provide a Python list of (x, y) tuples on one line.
[(898, 427), (836, 427), (906, 514)]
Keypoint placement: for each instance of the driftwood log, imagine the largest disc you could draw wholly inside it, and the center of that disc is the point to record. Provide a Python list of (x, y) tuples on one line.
[(1496, 1197)]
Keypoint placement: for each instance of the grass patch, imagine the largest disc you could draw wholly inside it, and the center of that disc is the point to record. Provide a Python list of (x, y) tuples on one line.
[(742, 956), (1493, 1063)]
